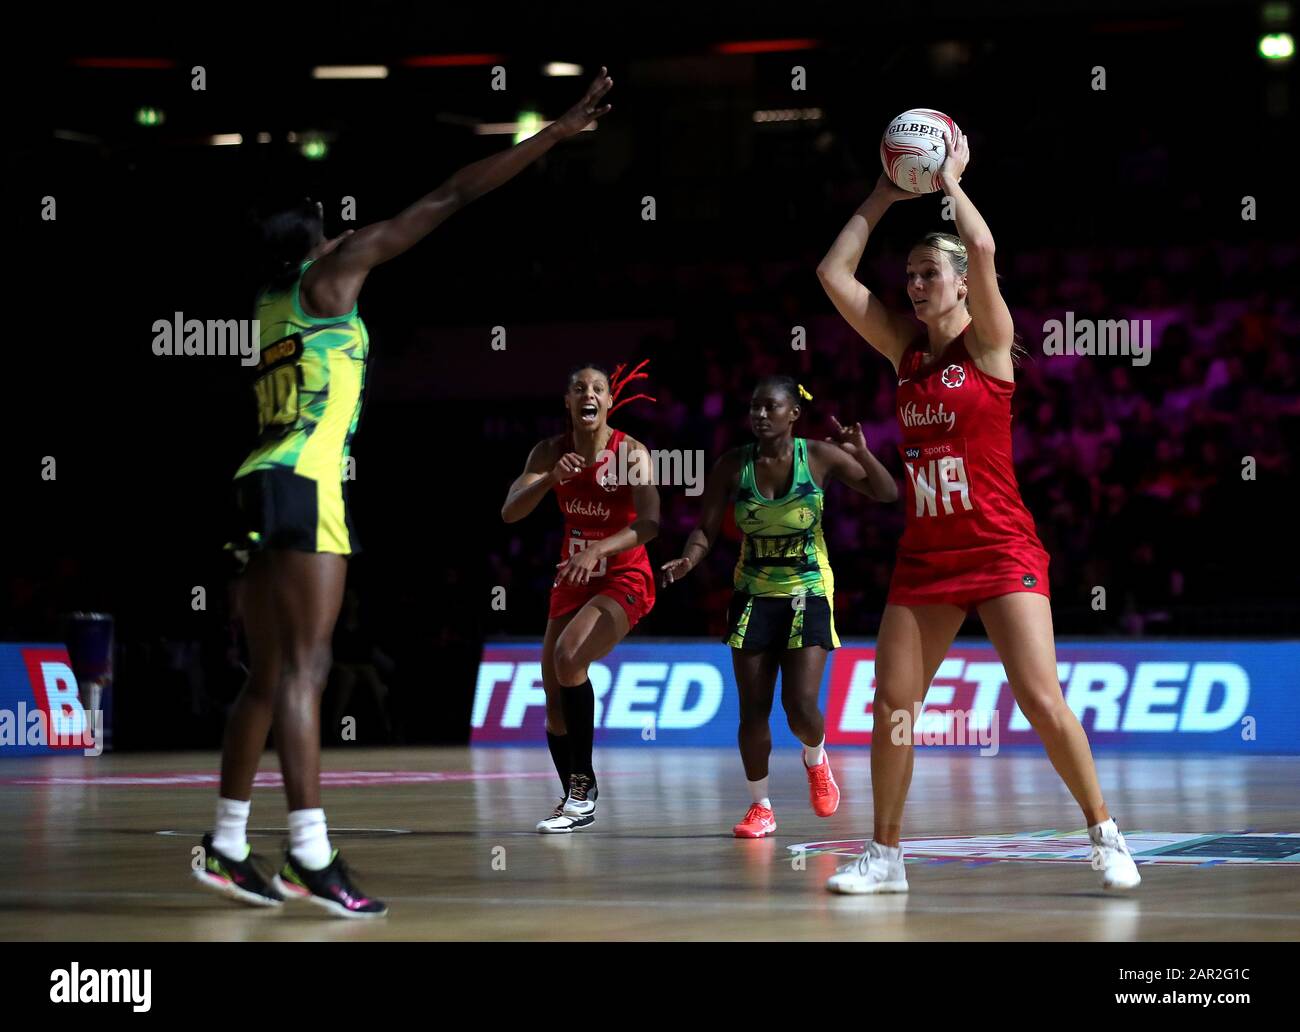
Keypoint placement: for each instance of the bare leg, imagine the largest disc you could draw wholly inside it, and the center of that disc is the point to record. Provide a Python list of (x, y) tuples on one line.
[(756, 682), (1020, 628), (593, 632), (550, 682), (912, 643), (801, 682), (591, 635), (308, 588), (249, 722)]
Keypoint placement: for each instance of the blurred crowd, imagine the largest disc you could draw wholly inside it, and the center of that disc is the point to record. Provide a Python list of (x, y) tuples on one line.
[(1165, 484)]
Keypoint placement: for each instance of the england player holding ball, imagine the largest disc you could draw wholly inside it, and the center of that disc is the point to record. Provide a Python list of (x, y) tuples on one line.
[(969, 542)]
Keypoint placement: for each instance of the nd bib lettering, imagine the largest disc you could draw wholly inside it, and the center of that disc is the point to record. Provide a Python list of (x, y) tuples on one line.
[(276, 386), (937, 473), (577, 545), (792, 546)]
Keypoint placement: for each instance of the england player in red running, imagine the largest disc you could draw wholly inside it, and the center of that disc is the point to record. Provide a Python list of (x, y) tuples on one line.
[(604, 483), (969, 541)]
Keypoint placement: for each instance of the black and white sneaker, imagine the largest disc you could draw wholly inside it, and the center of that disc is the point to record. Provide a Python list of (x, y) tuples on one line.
[(560, 823), (240, 880), (331, 888), (581, 801)]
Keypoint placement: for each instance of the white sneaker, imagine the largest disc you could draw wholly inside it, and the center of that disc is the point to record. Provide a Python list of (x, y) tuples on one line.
[(879, 869), (561, 823), (1111, 857), (581, 801)]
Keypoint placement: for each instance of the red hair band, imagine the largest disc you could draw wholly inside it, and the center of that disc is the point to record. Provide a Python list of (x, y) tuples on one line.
[(618, 381)]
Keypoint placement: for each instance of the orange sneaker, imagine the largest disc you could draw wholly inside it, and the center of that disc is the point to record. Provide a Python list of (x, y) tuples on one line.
[(759, 821), (822, 790)]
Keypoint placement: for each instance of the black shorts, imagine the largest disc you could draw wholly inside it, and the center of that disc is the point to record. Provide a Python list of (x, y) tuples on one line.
[(780, 623), (278, 508)]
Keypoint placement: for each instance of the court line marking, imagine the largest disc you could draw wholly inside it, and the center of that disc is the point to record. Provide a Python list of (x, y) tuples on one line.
[(284, 831), (832, 900), (266, 779), (904, 903)]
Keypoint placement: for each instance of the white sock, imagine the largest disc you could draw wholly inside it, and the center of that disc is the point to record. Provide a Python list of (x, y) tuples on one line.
[(758, 793), (230, 832), (814, 755), (1105, 830), (308, 841), (888, 852)]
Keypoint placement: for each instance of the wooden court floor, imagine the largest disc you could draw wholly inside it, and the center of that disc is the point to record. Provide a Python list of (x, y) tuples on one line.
[(99, 849)]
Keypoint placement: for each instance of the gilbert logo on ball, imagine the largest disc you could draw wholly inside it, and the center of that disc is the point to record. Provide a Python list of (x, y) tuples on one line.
[(912, 149)]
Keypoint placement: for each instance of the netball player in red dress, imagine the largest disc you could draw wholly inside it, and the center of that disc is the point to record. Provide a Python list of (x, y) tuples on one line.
[(604, 483), (969, 541)]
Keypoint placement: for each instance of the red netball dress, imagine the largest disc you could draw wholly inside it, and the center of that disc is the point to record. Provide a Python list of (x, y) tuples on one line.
[(596, 505), (968, 535)]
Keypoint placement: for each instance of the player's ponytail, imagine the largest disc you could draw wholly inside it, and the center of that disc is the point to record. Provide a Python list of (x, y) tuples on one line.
[(622, 378), (955, 249)]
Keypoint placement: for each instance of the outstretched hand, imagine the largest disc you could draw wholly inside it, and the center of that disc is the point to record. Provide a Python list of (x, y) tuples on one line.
[(674, 570), (588, 109), (850, 438)]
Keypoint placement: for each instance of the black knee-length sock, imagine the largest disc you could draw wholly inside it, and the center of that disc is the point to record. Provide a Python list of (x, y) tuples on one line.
[(559, 746), (579, 717)]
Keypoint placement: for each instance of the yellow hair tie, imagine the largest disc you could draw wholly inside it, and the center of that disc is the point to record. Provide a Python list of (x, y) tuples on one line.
[(804, 394)]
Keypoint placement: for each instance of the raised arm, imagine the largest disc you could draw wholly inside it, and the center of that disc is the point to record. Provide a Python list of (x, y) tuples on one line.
[(719, 489), (886, 331), (334, 281), (991, 320), (847, 458)]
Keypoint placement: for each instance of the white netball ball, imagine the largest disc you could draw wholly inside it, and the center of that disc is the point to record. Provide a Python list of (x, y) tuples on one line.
[(912, 149)]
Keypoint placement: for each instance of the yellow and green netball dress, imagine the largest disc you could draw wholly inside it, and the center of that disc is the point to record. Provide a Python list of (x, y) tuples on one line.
[(309, 384), (784, 588)]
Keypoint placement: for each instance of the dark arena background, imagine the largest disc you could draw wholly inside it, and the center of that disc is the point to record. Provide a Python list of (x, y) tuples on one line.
[(1129, 159)]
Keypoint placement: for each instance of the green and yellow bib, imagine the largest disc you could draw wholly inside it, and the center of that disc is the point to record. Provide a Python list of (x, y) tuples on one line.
[(310, 381), (782, 553)]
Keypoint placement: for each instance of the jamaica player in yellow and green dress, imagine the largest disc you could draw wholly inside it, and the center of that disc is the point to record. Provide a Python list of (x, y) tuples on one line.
[(295, 527), (781, 616)]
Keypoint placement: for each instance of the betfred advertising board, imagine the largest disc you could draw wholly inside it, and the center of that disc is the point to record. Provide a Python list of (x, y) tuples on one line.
[(1222, 696)]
